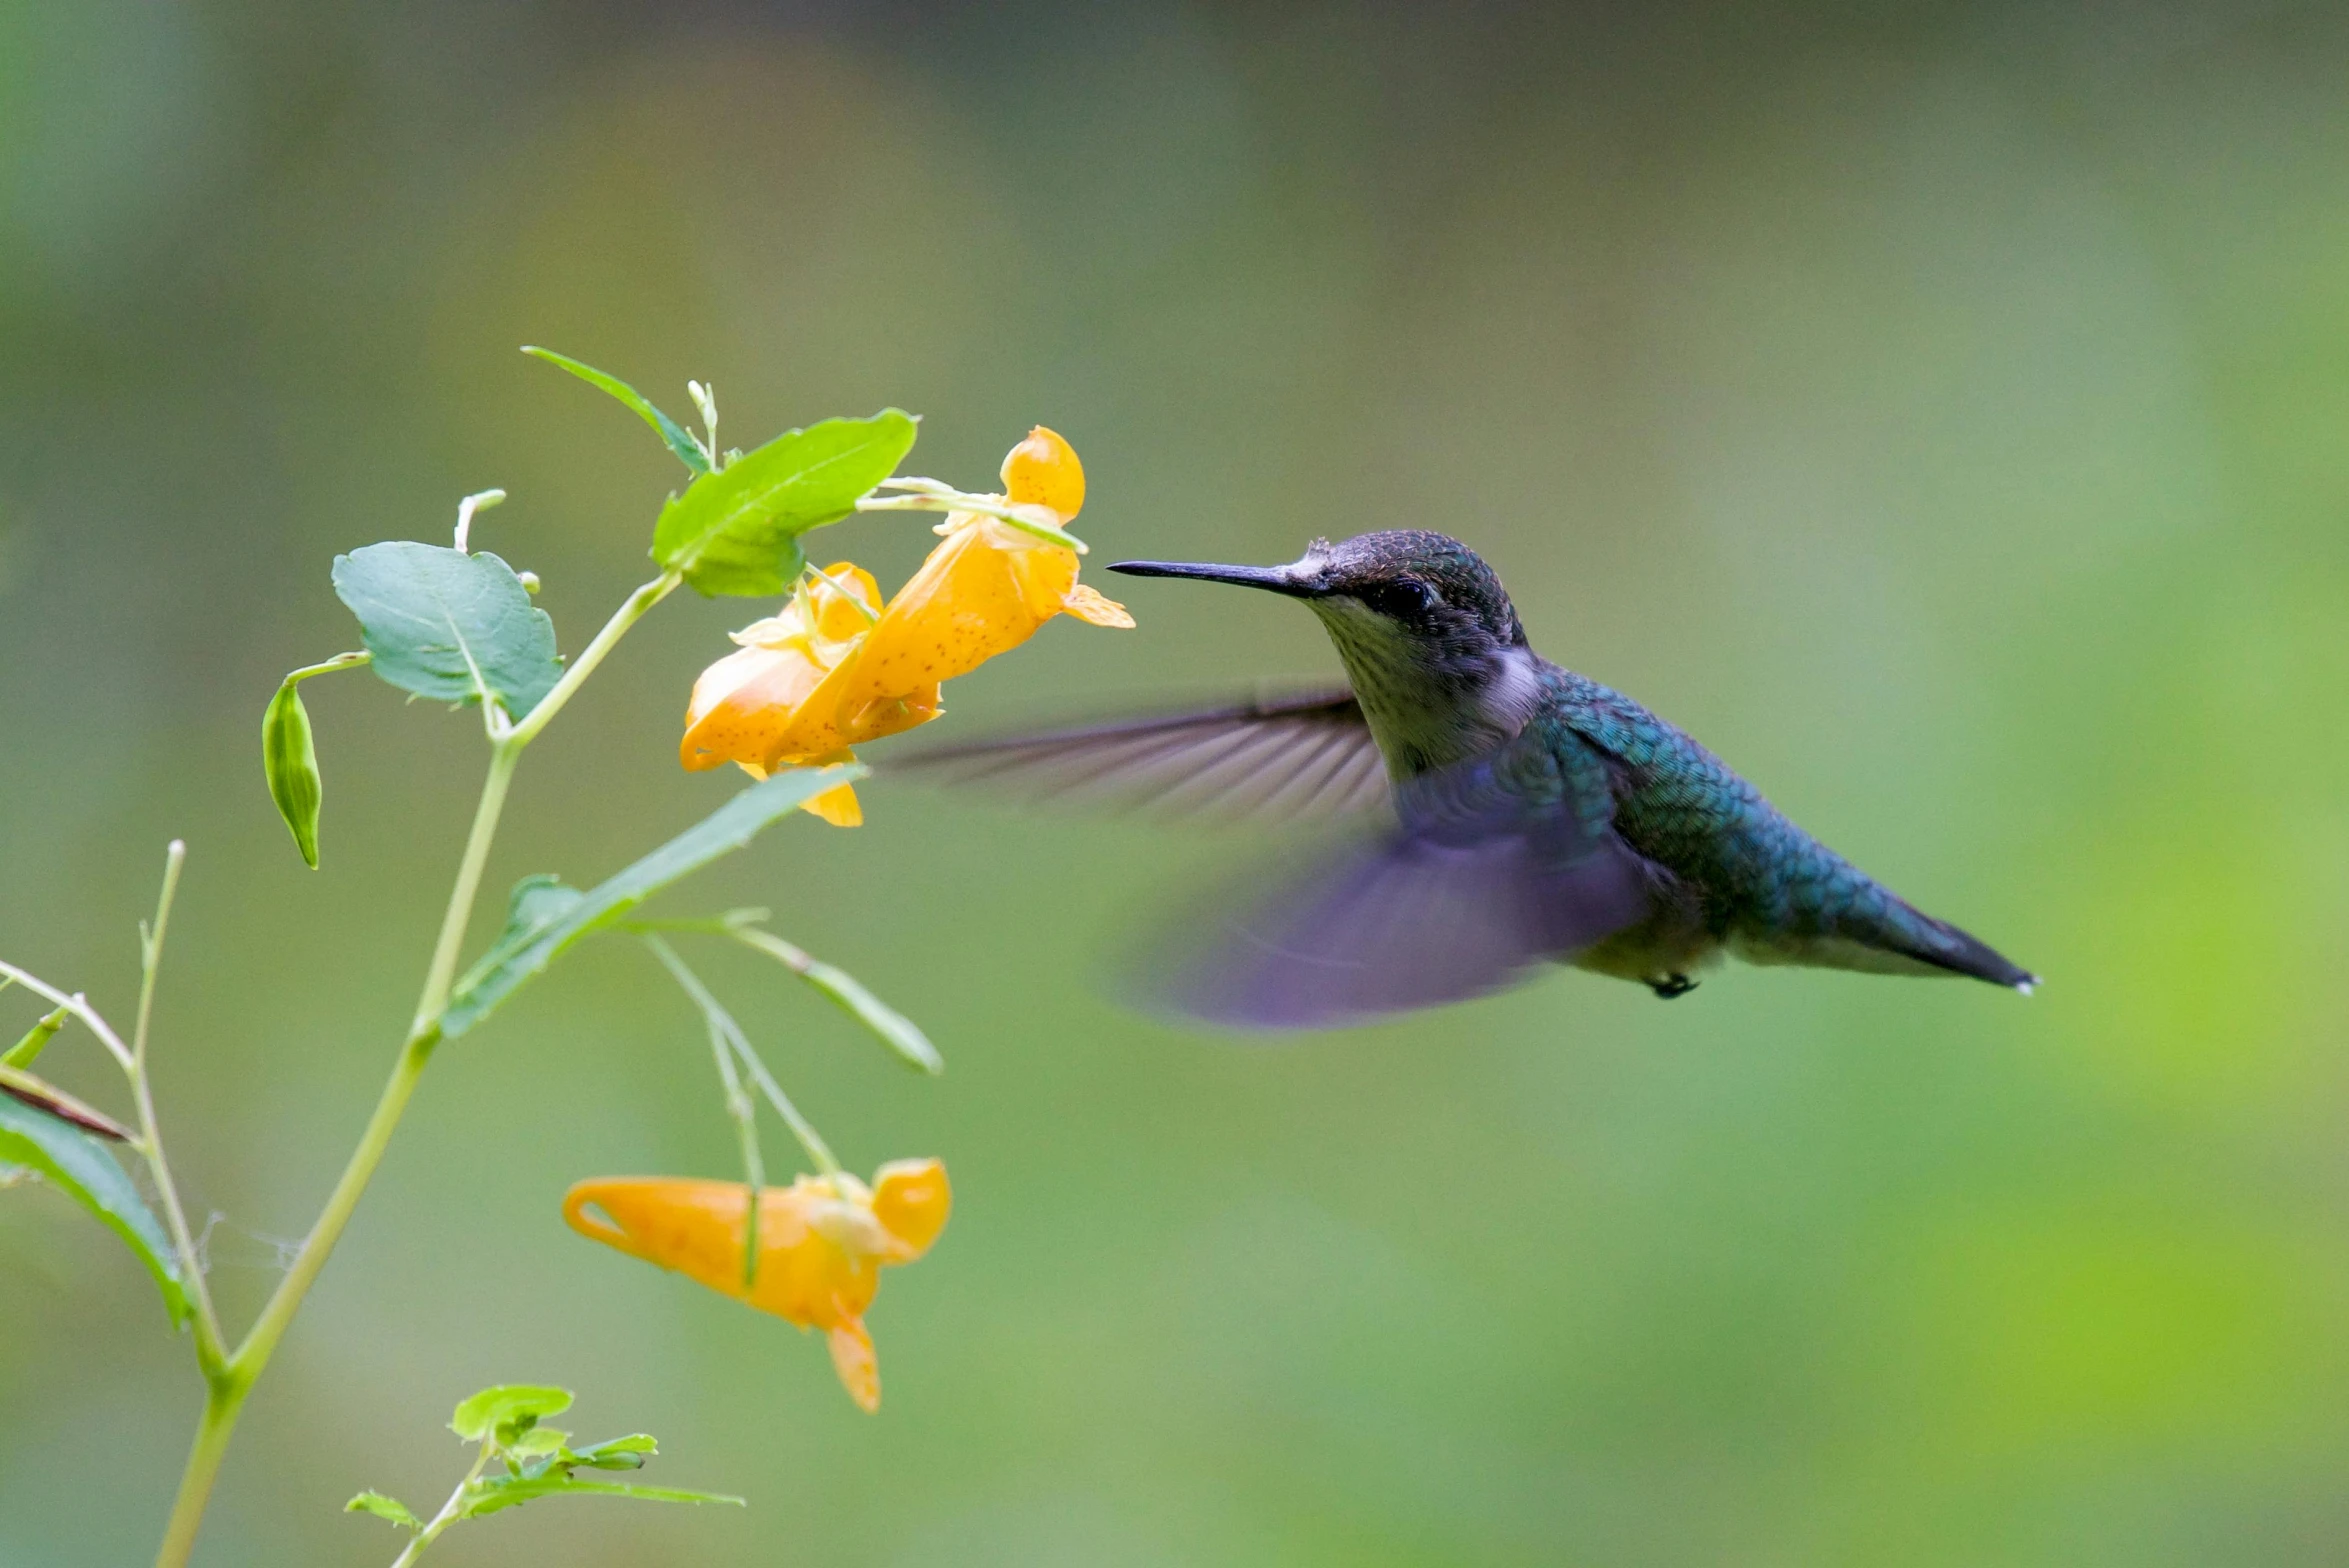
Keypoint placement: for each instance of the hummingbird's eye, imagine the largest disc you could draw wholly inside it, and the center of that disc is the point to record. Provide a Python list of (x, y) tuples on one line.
[(1405, 596)]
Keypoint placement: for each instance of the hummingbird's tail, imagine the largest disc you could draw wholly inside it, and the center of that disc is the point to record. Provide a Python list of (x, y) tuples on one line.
[(1863, 925), (1944, 946)]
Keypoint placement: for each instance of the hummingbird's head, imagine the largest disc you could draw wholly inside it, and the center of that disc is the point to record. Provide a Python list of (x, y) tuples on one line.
[(1432, 645)]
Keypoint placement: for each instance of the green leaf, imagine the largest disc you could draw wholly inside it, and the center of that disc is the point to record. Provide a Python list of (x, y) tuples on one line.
[(537, 902), (78, 1165), (538, 1441), (507, 1405), (891, 1027), (497, 1493), (618, 1453), (521, 955), (736, 531), (388, 1508), (42, 1095), (289, 760), (450, 626), (688, 450)]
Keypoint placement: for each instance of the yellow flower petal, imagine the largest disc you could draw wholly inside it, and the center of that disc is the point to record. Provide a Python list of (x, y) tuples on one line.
[(745, 705), (1085, 602), (775, 702), (822, 1243), (838, 807), (1043, 471), (911, 1199), (859, 1368)]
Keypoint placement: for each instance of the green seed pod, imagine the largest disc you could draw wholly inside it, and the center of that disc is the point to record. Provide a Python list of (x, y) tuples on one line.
[(290, 758)]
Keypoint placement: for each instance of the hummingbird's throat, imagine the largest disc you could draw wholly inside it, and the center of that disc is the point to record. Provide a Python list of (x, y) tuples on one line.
[(1428, 705)]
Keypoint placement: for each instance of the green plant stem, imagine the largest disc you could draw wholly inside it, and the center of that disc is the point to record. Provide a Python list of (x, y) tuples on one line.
[(739, 1105), (451, 945), (450, 1511), (211, 1351), (229, 1381), (195, 1485), (630, 612)]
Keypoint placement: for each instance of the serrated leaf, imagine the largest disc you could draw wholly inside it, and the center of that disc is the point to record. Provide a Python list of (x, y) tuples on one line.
[(387, 1508), (79, 1166), (520, 956), (448, 625), (289, 761), (507, 1404), (737, 531), (498, 1493), (672, 434)]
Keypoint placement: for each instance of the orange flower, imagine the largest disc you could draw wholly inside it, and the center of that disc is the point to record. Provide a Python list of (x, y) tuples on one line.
[(832, 671), (984, 590), (773, 703), (822, 1243)]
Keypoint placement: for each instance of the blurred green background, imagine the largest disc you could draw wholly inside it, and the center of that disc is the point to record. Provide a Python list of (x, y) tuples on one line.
[(1944, 412)]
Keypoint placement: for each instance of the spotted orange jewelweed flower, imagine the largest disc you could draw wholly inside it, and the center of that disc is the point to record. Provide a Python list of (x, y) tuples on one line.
[(986, 588), (830, 672), (823, 1241), (773, 703)]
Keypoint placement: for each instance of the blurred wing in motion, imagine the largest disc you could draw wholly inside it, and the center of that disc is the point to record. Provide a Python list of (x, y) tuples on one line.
[(1475, 886), (1269, 760)]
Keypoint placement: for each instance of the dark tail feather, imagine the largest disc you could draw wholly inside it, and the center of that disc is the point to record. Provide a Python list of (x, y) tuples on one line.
[(1944, 946)]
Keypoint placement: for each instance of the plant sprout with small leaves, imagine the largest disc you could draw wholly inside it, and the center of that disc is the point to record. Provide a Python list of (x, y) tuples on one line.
[(834, 666), (518, 1459)]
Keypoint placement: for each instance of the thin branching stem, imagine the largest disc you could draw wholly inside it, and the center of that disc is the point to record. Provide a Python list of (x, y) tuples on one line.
[(211, 1349), (817, 1149), (739, 1105), (233, 1380), (723, 1022), (630, 612), (79, 1006), (450, 1511)]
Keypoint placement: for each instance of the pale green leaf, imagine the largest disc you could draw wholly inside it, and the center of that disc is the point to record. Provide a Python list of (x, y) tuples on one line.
[(449, 625), (736, 531), (507, 1405), (538, 1442), (520, 955), (43, 1095), (502, 1492), (618, 1453), (388, 1508), (688, 450), (78, 1165)]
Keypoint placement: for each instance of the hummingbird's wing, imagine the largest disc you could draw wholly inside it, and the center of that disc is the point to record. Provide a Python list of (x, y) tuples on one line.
[(1270, 759), (1494, 866)]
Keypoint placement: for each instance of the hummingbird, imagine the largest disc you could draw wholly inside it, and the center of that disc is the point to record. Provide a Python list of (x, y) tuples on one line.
[(1516, 814)]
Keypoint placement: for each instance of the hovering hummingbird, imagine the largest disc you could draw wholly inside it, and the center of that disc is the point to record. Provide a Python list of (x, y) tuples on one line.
[(1520, 813)]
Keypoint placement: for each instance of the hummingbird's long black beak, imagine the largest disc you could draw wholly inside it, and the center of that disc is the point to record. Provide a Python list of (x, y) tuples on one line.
[(1277, 579)]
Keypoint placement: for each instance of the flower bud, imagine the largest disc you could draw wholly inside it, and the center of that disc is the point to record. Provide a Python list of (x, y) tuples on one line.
[(289, 758)]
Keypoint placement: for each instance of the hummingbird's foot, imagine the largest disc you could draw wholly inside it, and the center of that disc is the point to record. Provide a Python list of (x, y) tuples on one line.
[(1671, 986)]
